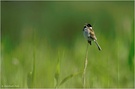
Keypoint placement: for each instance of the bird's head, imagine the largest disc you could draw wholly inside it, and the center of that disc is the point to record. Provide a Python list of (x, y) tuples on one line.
[(89, 25)]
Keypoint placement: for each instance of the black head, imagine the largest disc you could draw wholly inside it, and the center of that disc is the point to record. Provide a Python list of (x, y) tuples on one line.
[(89, 25)]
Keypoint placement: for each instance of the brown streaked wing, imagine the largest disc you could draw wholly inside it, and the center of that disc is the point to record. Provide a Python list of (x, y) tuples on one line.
[(92, 34)]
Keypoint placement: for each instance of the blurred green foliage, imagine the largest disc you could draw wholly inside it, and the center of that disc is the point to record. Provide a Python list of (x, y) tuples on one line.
[(50, 27)]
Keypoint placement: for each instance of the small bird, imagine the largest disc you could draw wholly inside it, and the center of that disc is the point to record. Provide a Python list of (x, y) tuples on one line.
[(90, 35)]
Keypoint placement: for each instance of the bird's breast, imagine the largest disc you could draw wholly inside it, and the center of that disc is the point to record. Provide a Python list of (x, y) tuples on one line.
[(86, 34)]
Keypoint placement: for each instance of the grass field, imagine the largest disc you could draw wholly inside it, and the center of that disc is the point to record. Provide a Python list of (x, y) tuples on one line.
[(42, 44)]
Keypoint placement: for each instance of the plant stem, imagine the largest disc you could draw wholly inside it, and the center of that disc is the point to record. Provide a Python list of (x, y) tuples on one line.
[(85, 66)]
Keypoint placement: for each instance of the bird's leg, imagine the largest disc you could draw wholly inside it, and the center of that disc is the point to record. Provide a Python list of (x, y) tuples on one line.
[(89, 42)]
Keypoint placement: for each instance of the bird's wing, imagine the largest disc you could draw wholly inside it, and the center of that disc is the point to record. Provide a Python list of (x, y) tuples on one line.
[(92, 34)]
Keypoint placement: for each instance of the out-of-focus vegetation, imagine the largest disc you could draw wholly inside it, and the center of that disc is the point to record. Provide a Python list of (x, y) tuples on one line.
[(48, 31)]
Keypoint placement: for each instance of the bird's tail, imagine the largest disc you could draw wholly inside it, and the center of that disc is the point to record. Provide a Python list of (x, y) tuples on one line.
[(98, 45)]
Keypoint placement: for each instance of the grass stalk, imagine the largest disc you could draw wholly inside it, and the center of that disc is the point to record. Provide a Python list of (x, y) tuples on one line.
[(31, 74), (85, 67)]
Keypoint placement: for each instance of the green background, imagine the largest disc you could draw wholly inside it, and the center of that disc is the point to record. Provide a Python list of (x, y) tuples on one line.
[(48, 31)]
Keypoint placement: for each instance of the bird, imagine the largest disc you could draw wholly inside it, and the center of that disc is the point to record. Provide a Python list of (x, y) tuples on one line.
[(89, 34)]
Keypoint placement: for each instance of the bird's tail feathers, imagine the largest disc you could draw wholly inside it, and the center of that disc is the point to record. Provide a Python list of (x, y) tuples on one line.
[(98, 45)]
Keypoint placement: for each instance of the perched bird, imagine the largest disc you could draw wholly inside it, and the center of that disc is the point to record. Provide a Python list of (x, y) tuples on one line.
[(90, 35)]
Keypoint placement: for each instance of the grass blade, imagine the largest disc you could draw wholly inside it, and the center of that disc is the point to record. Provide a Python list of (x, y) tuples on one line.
[(68, 77), (57, 73), (30, 75)]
